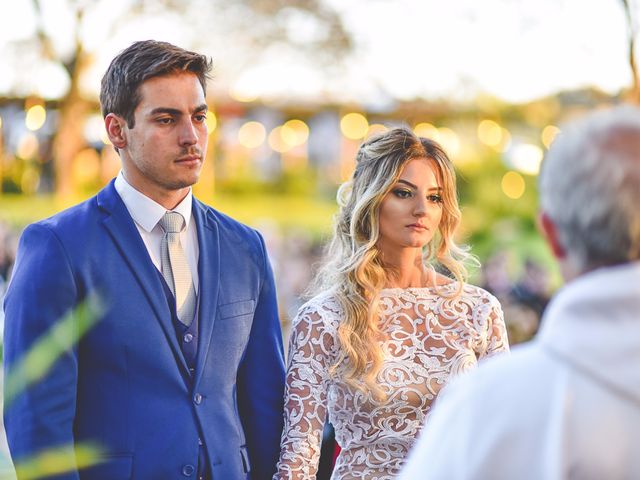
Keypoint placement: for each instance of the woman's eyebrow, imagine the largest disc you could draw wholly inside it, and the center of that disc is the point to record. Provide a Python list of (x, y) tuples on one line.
[(406, 182)]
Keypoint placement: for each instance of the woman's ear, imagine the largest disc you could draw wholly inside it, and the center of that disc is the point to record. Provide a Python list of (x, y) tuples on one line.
[(115, 126), (550, 233)]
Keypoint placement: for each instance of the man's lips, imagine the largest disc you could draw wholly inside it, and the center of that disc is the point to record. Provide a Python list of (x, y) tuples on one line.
[(189, 159)]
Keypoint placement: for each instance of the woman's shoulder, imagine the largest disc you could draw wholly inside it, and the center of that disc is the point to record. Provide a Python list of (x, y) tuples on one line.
[(479, 295), (324, 308)]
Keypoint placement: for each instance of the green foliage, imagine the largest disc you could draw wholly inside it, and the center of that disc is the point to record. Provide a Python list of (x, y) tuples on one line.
[(43, 354), (35, 364), (251, 207), (60, 460)]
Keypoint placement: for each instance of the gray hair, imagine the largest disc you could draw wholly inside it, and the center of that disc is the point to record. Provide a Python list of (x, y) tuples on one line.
[(590, 188)]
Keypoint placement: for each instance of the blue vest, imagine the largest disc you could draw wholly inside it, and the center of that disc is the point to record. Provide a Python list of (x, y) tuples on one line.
[(188, 340)]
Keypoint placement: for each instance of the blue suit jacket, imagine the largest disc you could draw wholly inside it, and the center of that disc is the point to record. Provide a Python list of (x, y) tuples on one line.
[(126, 385)]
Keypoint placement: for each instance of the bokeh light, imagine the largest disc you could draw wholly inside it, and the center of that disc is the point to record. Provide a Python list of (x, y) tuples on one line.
[(513, 185), (549, 134), (506, 140), (35, 118), (294, 132), (211, 122), (354, 126), (490, 133), (449, 140), (94, 128), (27, 146), (427, 130), (277, 142), (240, 94), (493, 135), (527, 158), (252, 134), (376, 128)]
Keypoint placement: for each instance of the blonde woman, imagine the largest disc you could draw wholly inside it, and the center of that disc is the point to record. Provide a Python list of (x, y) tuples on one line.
[(386, 331)]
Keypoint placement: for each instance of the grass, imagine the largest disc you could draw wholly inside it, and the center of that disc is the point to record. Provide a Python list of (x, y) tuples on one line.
[(287, 212)]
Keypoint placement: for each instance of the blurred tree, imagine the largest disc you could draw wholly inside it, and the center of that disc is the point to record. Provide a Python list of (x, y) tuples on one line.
[(247, 28), (631, 15)]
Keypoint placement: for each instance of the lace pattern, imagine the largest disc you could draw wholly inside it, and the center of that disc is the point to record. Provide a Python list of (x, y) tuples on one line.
[(428, 338)]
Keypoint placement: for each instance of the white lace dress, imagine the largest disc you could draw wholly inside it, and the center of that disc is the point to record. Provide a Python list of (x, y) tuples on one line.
[(428, 339)]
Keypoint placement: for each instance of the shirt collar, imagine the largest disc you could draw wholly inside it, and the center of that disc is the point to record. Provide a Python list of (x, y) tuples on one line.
[(145, 211)]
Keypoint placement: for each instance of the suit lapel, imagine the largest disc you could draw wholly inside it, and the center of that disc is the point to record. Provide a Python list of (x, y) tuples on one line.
[(125, 235), (209, 279)]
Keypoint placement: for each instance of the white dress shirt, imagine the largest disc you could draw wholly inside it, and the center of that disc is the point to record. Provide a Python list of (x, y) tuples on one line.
[(146, 214)]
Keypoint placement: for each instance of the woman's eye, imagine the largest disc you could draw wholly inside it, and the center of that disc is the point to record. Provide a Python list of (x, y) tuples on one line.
[(435, 198), (402, 193)]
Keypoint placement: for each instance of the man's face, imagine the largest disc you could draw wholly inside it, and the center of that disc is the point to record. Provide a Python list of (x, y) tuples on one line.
[(165, 149)]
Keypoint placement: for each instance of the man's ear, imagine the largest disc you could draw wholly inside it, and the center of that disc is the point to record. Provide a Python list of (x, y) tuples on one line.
[(115, 126), (550, 233)]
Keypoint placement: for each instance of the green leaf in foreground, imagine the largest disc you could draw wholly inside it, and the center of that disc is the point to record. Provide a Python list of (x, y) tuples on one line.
[(61, 337), (59, 460)]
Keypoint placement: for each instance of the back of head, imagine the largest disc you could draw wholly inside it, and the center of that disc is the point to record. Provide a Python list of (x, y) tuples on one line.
[(590, 188), (139, 62)]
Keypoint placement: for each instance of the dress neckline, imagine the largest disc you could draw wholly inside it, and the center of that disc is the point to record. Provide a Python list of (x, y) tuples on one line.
[(399, 290)]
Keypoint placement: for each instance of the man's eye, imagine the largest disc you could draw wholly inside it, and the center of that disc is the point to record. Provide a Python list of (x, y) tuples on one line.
[(165, 120), (200, 118), (402, 193)]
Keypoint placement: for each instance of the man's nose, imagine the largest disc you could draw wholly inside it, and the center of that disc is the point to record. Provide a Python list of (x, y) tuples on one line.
[(188, 134)]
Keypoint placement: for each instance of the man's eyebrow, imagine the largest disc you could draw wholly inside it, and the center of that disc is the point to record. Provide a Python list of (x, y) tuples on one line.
[(415, 187), (201, 108), (170, 111), (175, 111)]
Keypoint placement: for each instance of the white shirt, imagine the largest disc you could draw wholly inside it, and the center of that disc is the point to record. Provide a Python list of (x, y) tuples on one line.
[(564, 406), (146, 214)]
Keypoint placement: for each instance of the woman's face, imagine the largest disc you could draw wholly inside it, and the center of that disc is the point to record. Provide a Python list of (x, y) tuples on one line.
[(410, 213)]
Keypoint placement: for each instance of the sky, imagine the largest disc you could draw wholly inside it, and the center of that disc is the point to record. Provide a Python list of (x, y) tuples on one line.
[(516, 50)]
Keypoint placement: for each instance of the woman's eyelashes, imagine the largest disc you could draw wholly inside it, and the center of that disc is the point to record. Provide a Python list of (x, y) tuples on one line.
[(406, 193), (403, 193)]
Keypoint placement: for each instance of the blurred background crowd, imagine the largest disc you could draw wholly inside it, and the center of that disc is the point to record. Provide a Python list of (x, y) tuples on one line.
[(297, 86)]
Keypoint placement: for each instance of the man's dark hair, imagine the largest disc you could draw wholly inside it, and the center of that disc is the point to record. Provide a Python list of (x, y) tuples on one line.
[(141, 61)]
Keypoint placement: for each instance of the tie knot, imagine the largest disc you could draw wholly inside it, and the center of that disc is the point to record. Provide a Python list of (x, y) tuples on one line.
[(172, 222)]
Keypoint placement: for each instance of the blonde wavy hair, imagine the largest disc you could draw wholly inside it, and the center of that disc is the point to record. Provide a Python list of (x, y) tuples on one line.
[(353, 271)]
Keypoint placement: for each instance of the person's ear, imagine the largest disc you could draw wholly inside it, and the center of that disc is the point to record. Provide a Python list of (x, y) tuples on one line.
[(550, 233), (115, 126)]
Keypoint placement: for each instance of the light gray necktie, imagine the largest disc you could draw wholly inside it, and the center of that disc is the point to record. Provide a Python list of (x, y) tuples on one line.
[(175, 268)]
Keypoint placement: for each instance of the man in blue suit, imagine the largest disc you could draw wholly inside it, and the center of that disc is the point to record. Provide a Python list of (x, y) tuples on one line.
[(183, 376)]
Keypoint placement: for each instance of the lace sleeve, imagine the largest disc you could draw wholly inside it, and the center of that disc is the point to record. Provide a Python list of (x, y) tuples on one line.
[(495, 333), (311, 352)]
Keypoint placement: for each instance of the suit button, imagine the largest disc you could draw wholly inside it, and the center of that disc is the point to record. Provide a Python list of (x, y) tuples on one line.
[(197, 398), (188, 470), (187, 338), (200, 442)]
